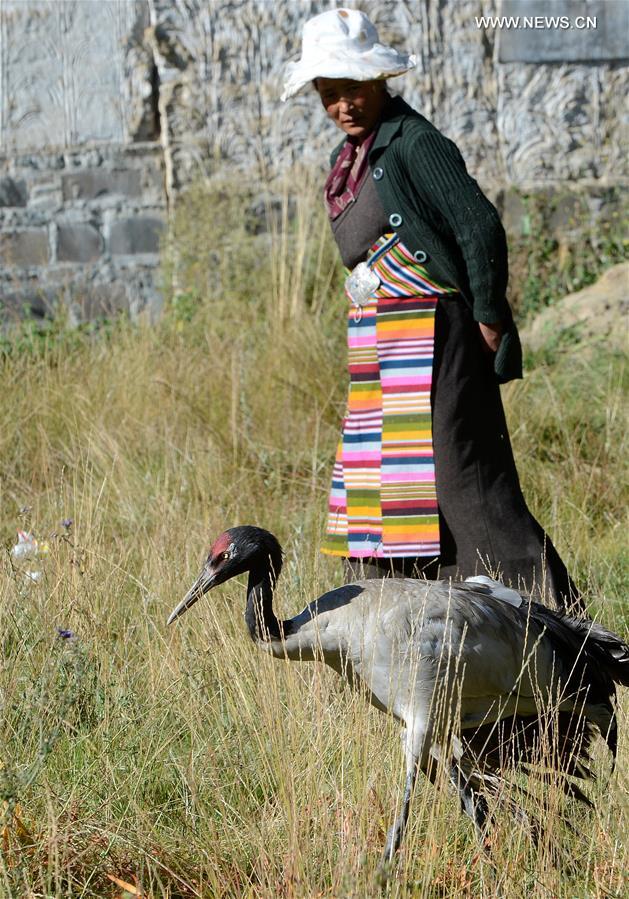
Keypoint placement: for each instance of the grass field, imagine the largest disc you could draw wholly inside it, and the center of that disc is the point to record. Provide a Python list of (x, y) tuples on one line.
[(182, 761)]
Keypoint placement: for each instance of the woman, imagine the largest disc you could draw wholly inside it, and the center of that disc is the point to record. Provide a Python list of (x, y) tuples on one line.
[(424, 481)]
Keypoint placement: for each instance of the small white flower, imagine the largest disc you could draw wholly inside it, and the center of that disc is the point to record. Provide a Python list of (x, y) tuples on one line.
[(26, 546), (33, 576)]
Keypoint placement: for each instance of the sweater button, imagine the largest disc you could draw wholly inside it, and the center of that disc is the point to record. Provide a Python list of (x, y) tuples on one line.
[(395, 220), (420, 256), (378, 173)]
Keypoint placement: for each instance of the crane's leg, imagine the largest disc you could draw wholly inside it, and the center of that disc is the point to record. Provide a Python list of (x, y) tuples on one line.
[(473, 803), (396, 831)]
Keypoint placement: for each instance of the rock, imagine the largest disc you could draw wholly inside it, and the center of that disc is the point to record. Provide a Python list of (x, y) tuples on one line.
[(78, 243), (91, 184), (12, 193), (27, 301), (139, 234), (24, 248), (598, 312), (574, 39), (103, 300), (568, 214), (514, 214)]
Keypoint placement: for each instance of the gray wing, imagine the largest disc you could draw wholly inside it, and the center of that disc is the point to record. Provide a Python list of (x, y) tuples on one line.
[(406, 638)]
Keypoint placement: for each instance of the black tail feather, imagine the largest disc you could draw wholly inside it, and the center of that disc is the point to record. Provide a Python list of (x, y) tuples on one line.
[(522, 740), (607, 653)]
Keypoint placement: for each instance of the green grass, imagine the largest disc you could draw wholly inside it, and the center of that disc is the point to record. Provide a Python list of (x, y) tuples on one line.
[(184, 760)]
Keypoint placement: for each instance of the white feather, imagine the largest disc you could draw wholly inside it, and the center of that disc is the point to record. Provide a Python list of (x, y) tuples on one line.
[(497, 589)]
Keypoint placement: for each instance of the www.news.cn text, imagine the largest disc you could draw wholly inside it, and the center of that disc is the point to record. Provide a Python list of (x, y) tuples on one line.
[(536, 22)]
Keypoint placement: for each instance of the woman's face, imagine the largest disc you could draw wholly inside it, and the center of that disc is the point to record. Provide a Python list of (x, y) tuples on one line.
[(353, 106)]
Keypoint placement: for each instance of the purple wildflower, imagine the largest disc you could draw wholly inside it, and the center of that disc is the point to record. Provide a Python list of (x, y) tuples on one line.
[(64, 633)]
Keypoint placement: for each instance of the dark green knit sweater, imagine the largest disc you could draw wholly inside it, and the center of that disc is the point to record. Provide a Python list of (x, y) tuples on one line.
[(443, 217)]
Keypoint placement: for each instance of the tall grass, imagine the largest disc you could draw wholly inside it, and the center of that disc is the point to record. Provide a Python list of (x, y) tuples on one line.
[(184, 761)]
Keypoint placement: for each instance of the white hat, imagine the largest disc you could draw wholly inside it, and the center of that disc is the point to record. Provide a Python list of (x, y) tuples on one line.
[(343, 43)]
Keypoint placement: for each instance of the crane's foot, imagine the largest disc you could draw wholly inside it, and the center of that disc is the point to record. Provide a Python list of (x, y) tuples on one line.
[(394, 838), (384, 872)]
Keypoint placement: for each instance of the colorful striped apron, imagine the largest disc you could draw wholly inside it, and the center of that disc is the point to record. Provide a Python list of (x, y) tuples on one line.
[(383, 500)]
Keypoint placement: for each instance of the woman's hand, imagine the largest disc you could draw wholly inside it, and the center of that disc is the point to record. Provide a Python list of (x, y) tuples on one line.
[(491, 335)]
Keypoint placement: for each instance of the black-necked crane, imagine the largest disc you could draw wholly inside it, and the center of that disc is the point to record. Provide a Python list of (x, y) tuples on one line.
[(479, 675)]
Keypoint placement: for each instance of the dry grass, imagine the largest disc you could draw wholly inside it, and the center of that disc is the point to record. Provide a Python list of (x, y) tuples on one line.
[(183, 761)]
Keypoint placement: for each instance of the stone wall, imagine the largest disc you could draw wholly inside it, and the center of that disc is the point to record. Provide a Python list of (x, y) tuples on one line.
[(81, 227), (516, 122), (109, 108), (82, 190)]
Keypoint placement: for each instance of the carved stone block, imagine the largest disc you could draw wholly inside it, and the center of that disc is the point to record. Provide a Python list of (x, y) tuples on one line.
[(90, 185), (63, 69), (24, 248), (78, 243), (140, 234), (564, 31)]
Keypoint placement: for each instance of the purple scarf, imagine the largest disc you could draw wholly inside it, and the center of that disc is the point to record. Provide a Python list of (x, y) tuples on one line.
[(347, 175)]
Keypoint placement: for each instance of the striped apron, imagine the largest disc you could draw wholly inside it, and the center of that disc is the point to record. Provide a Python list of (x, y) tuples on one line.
[(383, 500)]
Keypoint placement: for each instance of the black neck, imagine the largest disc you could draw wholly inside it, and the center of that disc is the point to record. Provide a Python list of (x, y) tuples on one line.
[(259, 615)]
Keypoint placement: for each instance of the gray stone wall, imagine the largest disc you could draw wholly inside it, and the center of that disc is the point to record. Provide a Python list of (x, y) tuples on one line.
[(109, 108), (82, 189), (81, 227), (520, 123)]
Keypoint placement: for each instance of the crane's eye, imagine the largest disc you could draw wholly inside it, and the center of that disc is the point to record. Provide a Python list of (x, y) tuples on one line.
[(225, 555)]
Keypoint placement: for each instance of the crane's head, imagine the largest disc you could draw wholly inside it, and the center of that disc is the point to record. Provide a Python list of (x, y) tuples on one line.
[(240, 549)]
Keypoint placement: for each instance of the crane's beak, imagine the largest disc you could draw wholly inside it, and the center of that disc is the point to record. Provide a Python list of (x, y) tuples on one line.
[(206, 580)]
